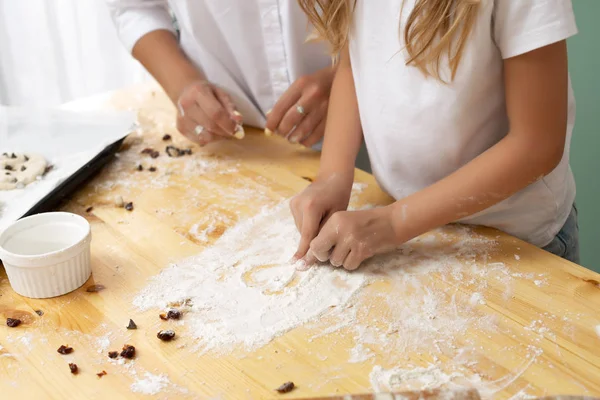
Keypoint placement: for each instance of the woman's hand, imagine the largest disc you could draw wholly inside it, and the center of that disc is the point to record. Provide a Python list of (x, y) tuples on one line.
[(316, 204), (351, 237), (301, 112), (206, 113)]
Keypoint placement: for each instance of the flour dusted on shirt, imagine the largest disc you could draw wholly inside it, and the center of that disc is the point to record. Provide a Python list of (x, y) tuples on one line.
[(419, 130)]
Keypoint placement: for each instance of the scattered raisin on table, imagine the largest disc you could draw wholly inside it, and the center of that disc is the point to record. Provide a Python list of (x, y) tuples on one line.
[(113, 354), (65, 349), (166, 137), (173, 314), (95, 288), (101, 374), (128, 351), (129, 206), (13, 322), (132, 325), (152, 169), (286, 387), (74, 369), (165, 336)]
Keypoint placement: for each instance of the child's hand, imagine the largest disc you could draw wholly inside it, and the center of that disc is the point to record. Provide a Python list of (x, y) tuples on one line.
[(350, 237), (313, 207)]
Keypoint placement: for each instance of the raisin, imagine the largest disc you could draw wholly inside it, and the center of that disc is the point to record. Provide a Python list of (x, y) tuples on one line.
[(65, 349), (131, 325), (128, 351), (152, 169), (113, 354), (140, 167), (165, 336), (167, 137), (89, 209), (13, 322), (95, 288), (74, 369), (286, 387), (154, 154), (39, 312), (129, 206), (173, 314), (101, 374)]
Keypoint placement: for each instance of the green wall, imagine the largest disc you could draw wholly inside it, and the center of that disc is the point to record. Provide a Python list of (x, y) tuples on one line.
[(584, 59)]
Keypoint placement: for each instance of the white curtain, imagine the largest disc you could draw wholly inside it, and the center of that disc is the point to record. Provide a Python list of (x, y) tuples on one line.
[(54, 51)]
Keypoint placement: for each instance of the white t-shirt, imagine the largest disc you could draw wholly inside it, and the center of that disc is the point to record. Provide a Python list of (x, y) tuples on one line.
[(419, 130), (254, 49)]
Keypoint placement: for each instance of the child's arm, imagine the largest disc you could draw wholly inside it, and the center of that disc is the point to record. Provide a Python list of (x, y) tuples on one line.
[(536, 85), (343, 136)]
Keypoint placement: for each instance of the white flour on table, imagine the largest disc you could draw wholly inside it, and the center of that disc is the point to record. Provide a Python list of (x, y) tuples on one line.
[(150, 384)]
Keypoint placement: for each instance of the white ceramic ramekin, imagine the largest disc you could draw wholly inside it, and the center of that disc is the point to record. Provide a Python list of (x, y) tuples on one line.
[(47, 255)]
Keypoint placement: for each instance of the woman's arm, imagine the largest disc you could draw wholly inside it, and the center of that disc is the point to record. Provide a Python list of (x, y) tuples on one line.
[(206, 112), (160, 54)]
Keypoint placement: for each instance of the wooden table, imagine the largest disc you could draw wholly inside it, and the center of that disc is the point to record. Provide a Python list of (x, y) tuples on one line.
[(545, 311)]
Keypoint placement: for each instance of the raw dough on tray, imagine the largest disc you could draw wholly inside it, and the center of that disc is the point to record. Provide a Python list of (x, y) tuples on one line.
[(19, 170)]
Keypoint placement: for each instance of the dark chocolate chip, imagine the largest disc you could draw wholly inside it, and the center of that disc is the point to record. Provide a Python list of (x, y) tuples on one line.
[(65, 349), (129, 206), (8, 168), (39, 312), (128, 351), (26, 158), (173, 314), (131, 325), (140, 167), (74, 369), (165, 336), (23, 168), (286, 387), (13, 322)]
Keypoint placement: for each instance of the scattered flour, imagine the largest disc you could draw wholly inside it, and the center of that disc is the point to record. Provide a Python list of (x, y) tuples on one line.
[(244, 291), (397, 379), (151, 384), (102, 343)]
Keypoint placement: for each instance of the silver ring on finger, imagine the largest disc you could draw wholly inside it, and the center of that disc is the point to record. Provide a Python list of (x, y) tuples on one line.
[(198, 130), (300, 110)]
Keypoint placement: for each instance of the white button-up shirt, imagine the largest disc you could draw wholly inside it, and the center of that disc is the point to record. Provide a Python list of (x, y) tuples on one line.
[(254, 49)]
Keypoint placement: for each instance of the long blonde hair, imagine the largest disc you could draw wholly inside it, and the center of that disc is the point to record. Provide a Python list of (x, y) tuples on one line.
[(434, 28)]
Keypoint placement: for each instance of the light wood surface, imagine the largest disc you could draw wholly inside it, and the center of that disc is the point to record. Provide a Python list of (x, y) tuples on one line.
[(130, 247)]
